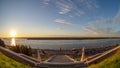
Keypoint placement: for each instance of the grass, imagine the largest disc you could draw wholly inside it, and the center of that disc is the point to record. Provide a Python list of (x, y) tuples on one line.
[(6, 62), (111, 62), (44, 58)]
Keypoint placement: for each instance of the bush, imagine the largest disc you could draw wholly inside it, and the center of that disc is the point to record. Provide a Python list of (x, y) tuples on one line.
[(2, 43), (22, 49)]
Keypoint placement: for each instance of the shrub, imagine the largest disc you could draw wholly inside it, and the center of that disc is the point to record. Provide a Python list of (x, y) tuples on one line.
[(2, 43), (22, 49)]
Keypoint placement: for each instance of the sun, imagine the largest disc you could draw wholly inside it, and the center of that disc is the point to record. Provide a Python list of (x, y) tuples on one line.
[(13, 33)]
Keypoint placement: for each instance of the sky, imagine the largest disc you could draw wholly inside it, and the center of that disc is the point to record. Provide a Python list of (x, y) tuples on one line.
[(60, 18)]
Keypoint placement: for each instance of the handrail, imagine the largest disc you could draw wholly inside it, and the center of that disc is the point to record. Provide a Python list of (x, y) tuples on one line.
[(28, 57), (17, 57), (103, 54)]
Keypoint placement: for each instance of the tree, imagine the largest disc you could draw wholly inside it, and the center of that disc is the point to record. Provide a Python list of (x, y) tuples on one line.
[(2, 43), (30, 51), (22, 49)]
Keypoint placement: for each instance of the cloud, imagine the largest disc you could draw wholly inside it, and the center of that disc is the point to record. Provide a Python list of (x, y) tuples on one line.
[(63, 21), (90, 30), (104, 27), (60, 28), (80, 13), (74, 7), (117, 17), (78, 6), (46, 1), (89, 4), (64, 7)]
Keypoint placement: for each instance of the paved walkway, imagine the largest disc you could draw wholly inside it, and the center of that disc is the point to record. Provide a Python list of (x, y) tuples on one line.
[(61, 59)]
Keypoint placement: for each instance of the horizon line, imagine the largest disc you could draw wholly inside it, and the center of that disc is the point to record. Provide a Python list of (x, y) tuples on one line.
[(61, 38)]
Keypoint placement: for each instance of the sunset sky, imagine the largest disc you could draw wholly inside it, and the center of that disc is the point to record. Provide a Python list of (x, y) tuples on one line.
[(60, 18)]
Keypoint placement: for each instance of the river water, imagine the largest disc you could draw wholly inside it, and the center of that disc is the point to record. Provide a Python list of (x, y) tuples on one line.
[(64, 44)]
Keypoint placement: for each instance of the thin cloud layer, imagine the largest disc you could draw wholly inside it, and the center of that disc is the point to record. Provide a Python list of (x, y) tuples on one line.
[(104, 27)]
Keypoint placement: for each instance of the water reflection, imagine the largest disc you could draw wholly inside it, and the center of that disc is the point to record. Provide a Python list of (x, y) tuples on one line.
[(13, 42)]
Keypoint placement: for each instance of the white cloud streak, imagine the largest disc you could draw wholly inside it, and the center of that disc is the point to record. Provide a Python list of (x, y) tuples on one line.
[(75, 7), (64, 8), (46, 2), (63, 21)]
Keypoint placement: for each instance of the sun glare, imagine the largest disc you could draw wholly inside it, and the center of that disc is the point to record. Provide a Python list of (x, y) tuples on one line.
[(13, 42), (13, 33)]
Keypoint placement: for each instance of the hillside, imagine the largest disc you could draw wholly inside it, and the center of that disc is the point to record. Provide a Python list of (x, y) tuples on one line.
[(6, 62), (111, 62)]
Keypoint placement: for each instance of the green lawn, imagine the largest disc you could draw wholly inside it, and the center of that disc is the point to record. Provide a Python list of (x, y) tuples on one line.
[(111, 62), (6, 62)]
